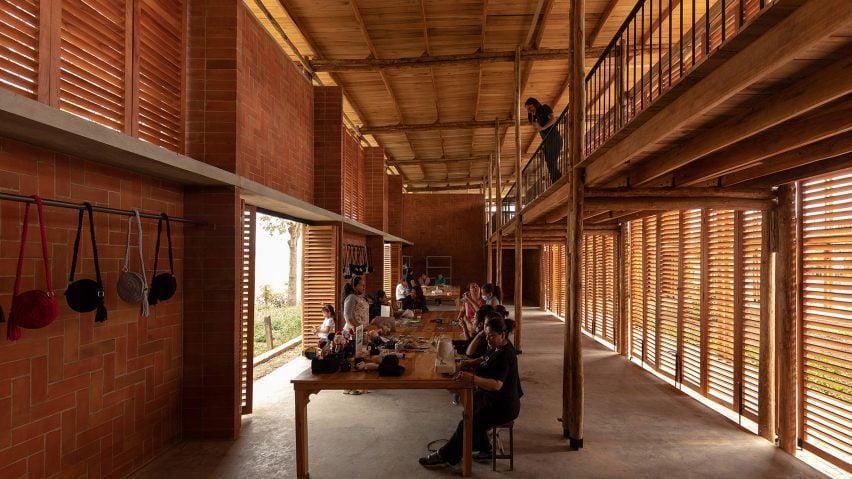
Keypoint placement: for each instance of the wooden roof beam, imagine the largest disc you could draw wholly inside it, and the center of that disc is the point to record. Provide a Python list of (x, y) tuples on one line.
[(806, 171), (619, 193), (418, 161), (596, 31), (665, 203), (449, 125), (378, 64)]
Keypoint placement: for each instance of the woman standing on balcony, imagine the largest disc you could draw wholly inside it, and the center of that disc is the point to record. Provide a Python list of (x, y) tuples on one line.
[(542, 119)]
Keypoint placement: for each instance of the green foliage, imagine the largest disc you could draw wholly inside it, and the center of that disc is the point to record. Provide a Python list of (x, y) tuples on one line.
[(286, 325)]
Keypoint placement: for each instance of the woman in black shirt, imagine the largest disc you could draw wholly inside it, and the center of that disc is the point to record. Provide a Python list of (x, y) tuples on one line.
[(415, 300), (496, 396)]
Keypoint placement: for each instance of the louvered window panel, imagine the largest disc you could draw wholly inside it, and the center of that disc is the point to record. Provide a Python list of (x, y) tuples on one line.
[(670, 245), (751, 310), (650, 283), (319, 277), (826, 332), (160, 40), (691, 316), (92, 61), (720, 306), (19, 31), (637, 289), (546, 272), (600, 291), (247, 309), (587, 286), (560, 280), (387, 282), (609, 287)]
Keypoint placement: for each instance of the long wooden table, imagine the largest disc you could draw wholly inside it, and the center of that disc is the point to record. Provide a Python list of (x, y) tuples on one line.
[(442, 292), (419, 374)]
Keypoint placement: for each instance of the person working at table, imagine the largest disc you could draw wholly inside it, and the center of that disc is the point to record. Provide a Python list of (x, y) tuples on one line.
[(415, 300), (496, 395), (440, 280)]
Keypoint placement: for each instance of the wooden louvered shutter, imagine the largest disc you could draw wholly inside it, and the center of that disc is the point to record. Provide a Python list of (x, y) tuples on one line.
[(561, 278), (396, 263), (826, 329), (650, 284), (19, 47), (319, 277), (691, 291), (247, 309), (387, 282), (669, 277), (160, 72), (609, 243), (637, 289), (720, 306), (93, 48), (751, 234), (600, 293), (587, 286)]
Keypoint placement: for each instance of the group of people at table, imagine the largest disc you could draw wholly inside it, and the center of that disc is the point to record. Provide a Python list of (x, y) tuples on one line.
[(492, 364)]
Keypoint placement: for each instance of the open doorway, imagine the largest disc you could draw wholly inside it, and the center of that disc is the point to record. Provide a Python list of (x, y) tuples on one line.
[(278, 290)]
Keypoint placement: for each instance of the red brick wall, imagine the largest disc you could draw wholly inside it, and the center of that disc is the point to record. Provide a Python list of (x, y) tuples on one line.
[(395, 205), (446, 225), (211, 404), (274, 113), (375, 188), (328, 148), (76, 397), (211, 129)]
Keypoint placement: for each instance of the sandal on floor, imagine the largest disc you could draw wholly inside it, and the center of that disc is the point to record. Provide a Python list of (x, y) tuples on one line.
[(433, 460)]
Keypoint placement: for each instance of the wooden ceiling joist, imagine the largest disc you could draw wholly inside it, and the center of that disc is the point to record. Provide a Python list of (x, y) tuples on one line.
[(825, 85), (664, 203), (378, 64), (448, 125), (619, 193), (426, 161)]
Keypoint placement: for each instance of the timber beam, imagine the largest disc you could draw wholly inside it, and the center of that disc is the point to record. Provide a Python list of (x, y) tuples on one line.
[(448, 125), (379, 64), (663, 203)]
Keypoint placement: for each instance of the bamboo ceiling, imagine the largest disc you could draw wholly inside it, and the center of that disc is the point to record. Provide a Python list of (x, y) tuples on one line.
[(470, 92)]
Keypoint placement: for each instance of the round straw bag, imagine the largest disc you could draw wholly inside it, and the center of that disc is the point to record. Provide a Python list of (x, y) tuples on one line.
[(132, 287)]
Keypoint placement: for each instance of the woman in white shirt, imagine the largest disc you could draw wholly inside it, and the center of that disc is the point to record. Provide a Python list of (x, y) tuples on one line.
[(356, 309)]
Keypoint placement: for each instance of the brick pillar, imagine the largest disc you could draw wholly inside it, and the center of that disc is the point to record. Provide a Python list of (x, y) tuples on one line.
[(396, 263), (376, 188), (395, 206), (211, 329), (211, 127), (328, 148)]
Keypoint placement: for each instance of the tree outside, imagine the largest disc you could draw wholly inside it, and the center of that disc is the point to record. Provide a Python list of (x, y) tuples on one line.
[(277, 291)]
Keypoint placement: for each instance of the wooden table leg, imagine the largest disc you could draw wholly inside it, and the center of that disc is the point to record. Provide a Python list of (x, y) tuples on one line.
[(467, 442), (302, 398)]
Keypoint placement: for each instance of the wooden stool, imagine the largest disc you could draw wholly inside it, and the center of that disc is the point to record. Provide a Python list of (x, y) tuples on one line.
[(497, 443)]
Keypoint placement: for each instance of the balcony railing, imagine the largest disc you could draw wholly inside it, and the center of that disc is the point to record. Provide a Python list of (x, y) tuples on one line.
[(658, 44)]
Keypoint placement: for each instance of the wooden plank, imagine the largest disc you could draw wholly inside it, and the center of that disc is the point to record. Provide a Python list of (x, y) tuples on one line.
[(667, 204), (519, 256), (743, 193), (438, 125), (810, 23), (499, 192)]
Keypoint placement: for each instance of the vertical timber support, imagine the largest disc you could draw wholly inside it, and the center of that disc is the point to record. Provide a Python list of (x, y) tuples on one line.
[(488, 202), (622, 291), (786, 321), (766, 365), (519, 221), (498, 260), (572, 387)]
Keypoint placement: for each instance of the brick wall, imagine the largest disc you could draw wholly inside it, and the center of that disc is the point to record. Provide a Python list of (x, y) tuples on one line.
[(395, 205), (328, 148), (274, 115), (375, 188), (211, 404), (211, 129), (77, 397), (446, 225)]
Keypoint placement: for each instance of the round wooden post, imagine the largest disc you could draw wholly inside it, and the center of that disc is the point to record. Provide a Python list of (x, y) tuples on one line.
[(519, 222), (785, 308), (766, 365)]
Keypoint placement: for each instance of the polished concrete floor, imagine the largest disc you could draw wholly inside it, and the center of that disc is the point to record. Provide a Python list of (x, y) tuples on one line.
[(636, 426)]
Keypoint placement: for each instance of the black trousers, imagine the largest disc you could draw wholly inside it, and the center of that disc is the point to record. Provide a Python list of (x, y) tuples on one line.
[(483, 420), (552, 151)]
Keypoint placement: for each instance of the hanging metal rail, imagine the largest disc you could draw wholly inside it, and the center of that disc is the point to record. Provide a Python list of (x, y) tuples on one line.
[(100, 209)]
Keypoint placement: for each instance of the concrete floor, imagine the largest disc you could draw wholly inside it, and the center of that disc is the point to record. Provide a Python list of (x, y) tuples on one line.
[(636, 426)]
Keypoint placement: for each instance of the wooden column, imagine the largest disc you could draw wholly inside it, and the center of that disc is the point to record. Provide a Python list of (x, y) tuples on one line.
[(489, 201), (785, 308), (572, 389), (766, 367), (519, 221), (498, 262)]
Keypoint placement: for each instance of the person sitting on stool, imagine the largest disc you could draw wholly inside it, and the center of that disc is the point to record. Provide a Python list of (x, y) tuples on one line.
[(496, 395)]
